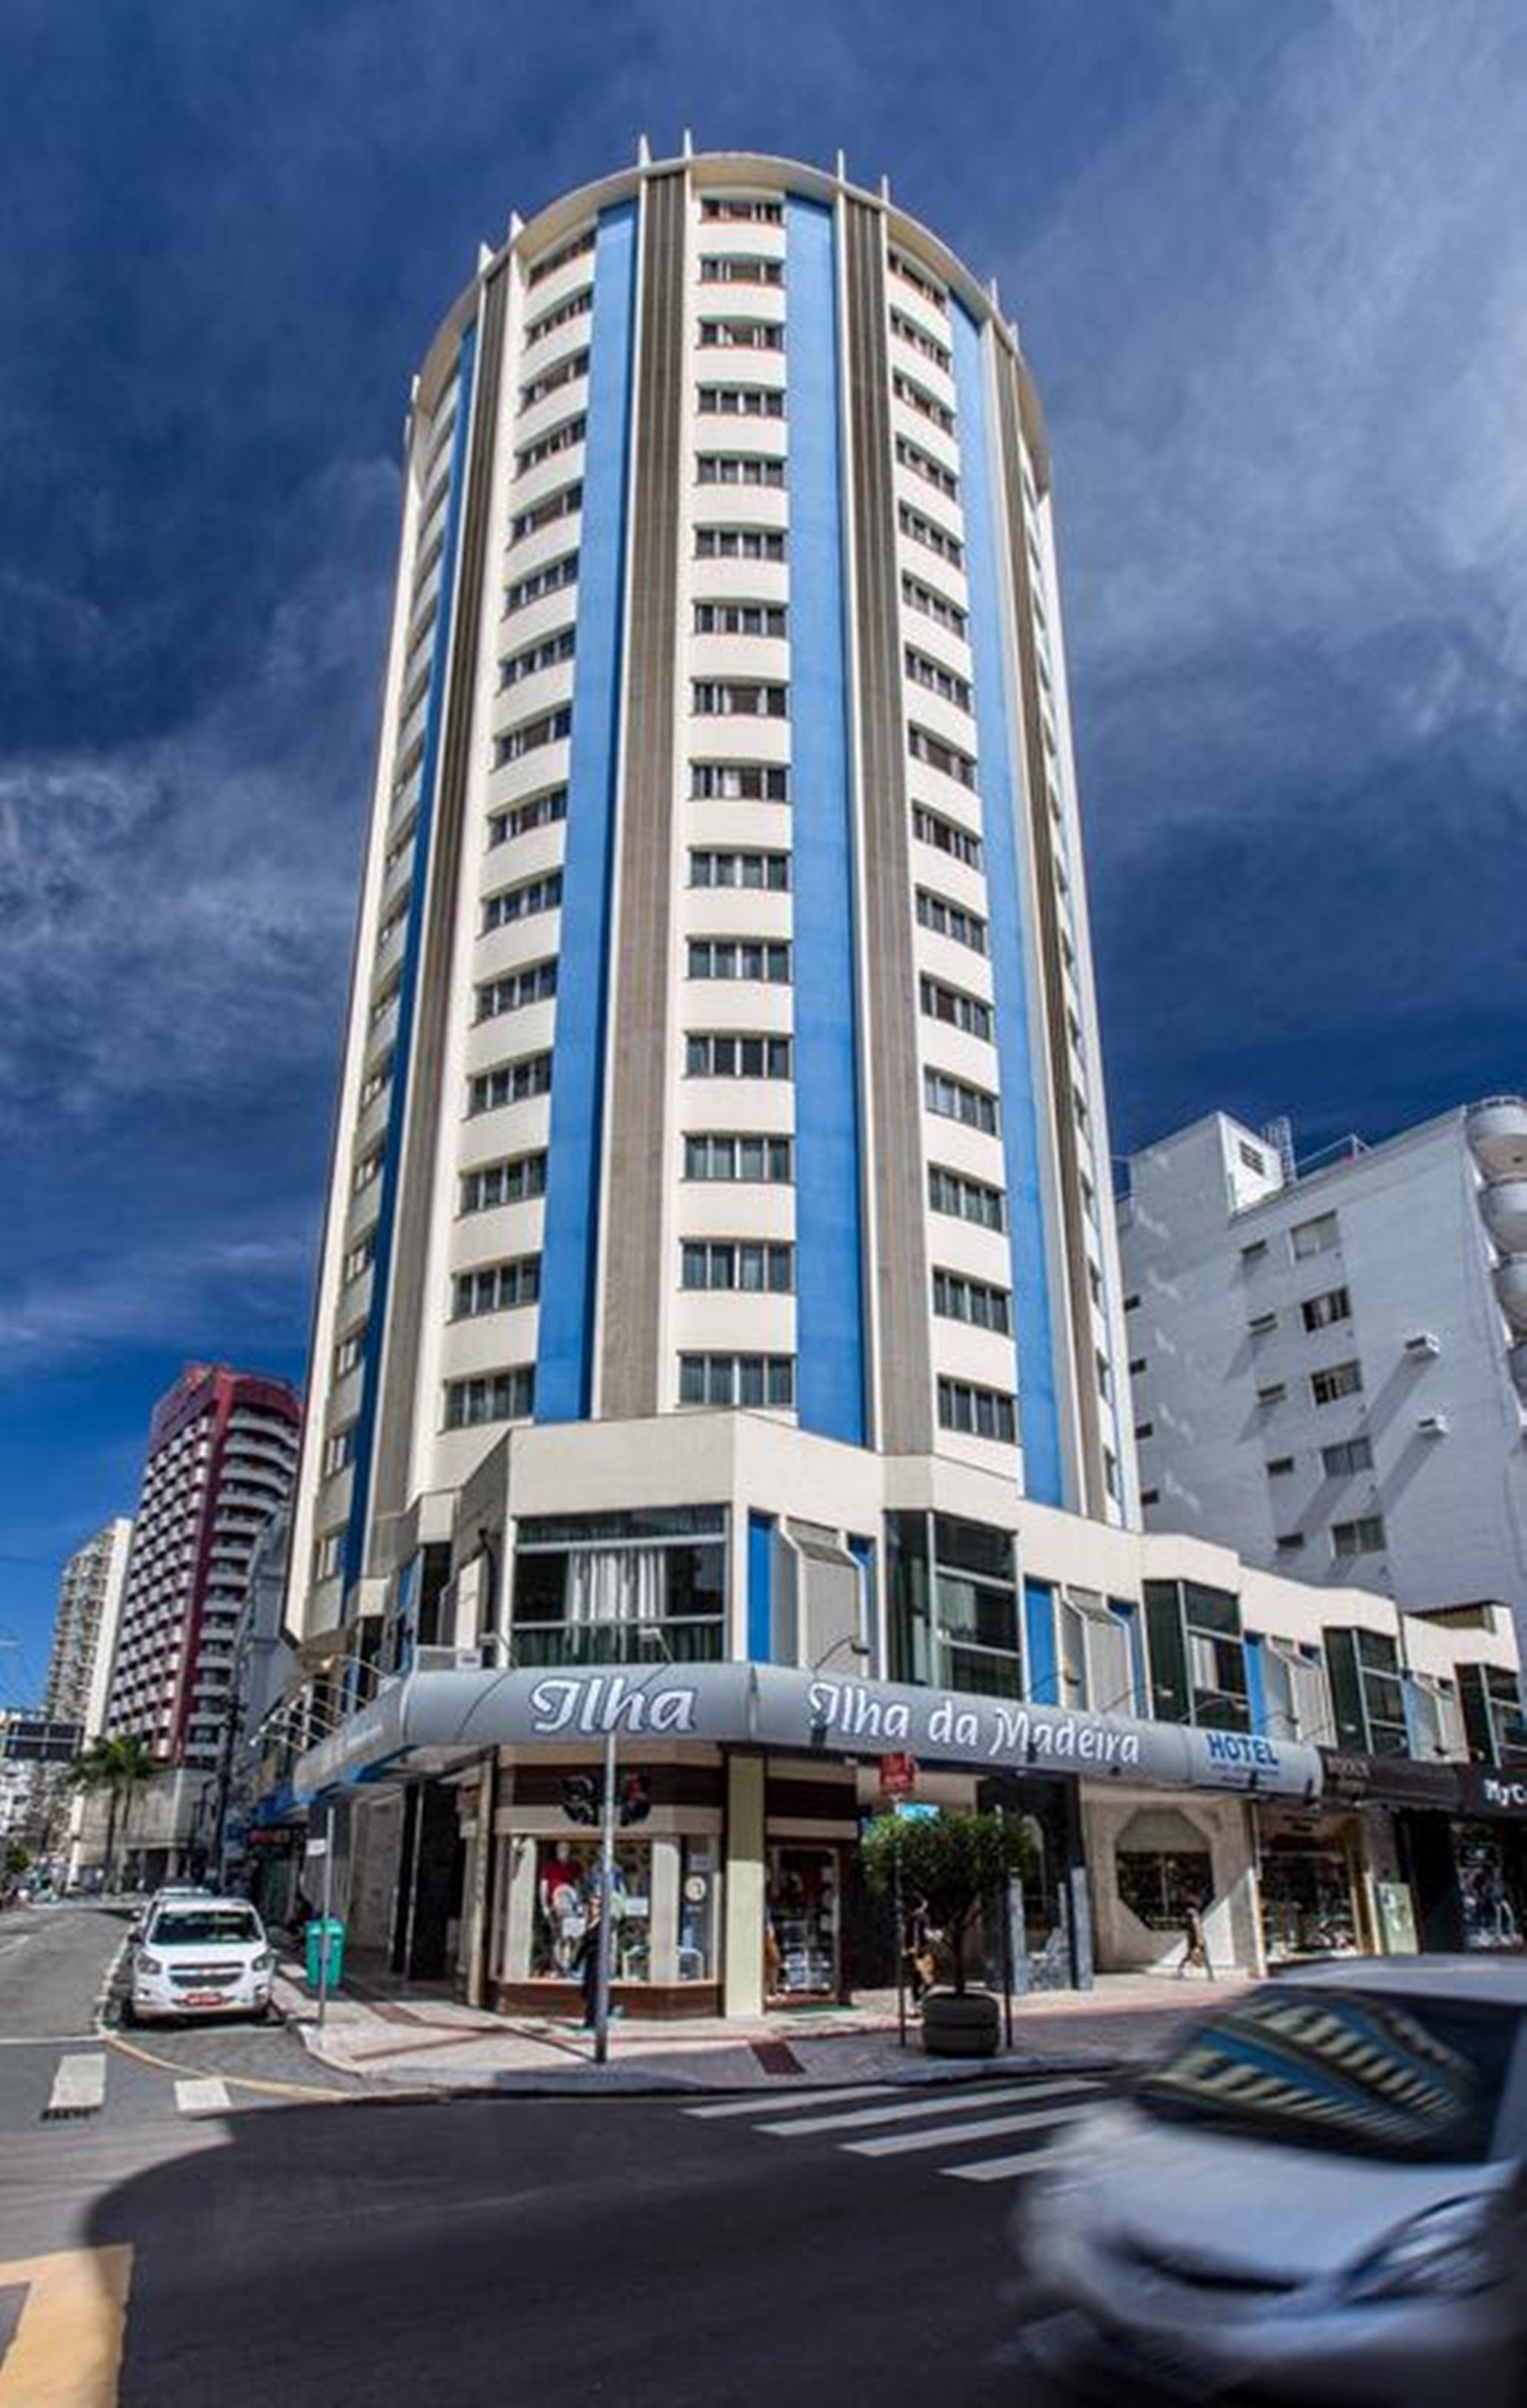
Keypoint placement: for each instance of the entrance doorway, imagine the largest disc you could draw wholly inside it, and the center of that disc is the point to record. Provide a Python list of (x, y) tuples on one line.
[(804, 1924)]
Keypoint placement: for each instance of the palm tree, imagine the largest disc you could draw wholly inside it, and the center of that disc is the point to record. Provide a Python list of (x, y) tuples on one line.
[(120, 1767)]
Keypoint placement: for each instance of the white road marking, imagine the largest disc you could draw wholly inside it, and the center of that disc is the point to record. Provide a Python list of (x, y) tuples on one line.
[(78, 2085), (206, 2096), (986, 2127), (796, 2099), (989, 2169), (905, 2112)]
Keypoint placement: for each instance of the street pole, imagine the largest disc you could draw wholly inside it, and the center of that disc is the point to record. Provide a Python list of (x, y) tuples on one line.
[(899, 1912), (607, 1905), (326, 1910)]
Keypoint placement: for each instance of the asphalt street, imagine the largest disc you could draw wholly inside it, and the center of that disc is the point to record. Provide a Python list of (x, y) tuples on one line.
[(788, 2246)]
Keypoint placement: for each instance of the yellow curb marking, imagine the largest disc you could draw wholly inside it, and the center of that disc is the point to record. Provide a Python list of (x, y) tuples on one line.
[(240, 2081), (67, 2349)]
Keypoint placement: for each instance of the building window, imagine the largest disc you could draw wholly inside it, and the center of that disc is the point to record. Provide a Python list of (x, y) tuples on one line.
[(1289, 1543), (361, 1254), (737, 698), (1367, 1692), (932, 751), (1316, 1237), (965, 1200), (329, 1556), (1150, 1497), (933, 604), (954, 1611), (532, 735), (740, 469), (740, 619), (721, 209), (1280, 1467), (1252, 1159), (738, 543), (918, 529), (1144, 1429), (922, 464), (740, 335), (739, 958), (349, 1351), (562, 257), (1163, 1868), (1321, 1312), (945, 835), (739, 401), (924, 670), (926, 403), (766, 871), (728, 267), (955, 1007), (540, 810), (516, 1179), (563, 504), (959, 1298), (565, 437), (587, 1585), (546, 654), (1197, 1658), (1338, 1380), (955, 1099), (1263, 1325), (1364, 1536), (338, 1450), (743, 1264), (1272, 1393), (714, 1054), (517, 990), (577, 305), (562, 373), (522, 902), (977, 1412), (935, 293), (497, 1287), (494, 1396), (510, 1083), (1348, 1455), (908, 330), (738, 781), (746, 1160), (748, 1380)]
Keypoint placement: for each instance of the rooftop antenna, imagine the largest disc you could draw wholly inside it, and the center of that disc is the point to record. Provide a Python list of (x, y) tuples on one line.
[(643, 151), (1279, 1134), (688, 144)]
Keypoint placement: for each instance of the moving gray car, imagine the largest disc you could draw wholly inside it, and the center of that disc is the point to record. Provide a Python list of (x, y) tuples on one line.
[(1320, 2195)]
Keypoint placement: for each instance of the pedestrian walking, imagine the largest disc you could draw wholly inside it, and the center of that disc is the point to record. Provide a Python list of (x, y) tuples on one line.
[(1195, 1950)]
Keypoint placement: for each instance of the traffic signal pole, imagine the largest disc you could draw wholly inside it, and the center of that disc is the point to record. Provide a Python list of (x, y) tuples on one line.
[(607, 1904)]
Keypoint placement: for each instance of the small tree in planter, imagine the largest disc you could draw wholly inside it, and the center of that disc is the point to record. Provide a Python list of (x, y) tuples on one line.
[(953, 1863)]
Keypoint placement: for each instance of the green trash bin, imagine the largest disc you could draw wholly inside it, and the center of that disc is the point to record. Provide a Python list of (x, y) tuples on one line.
[(315, 1949)]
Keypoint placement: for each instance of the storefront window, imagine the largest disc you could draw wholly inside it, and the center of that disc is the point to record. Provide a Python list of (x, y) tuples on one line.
[(1491, 1915), (587, 1589), (567, 1879), (696, 1910), (1163, 1868), (801, 1923), (1307, 1900)]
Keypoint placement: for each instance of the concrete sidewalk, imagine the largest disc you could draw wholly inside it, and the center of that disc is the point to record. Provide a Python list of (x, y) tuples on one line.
[(435, 2045)]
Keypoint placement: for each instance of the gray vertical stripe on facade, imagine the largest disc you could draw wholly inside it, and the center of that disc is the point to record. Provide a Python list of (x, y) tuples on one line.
[(1084, 1368), (631, 1380), (902, 1378), (436, 992)]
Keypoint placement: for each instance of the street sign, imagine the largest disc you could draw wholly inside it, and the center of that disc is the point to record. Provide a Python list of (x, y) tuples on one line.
[(898, 1776), (910, 1812), (318, 1847)]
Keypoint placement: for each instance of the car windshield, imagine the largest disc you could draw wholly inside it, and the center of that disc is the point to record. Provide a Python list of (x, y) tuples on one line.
[(195, 1927), (1359, 2073)]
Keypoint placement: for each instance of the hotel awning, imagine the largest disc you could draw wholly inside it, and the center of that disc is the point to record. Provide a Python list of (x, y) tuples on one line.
[(426, 1721)]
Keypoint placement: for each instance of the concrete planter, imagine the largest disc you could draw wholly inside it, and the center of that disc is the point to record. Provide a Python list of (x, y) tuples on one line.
[(956, 2025)]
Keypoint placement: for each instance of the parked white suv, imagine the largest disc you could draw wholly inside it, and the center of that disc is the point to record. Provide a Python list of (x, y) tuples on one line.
[(200, 1955)]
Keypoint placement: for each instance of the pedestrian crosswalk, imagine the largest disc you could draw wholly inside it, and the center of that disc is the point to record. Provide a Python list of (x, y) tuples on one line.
[(948, 2125), (84, 2085)]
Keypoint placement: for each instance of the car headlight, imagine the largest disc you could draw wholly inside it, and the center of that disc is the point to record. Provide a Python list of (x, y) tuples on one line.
[(149, 1964), (265, 1962), (1445, 2252)]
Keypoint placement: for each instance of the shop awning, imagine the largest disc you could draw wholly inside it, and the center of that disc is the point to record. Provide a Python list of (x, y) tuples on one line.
[(426, 1721)]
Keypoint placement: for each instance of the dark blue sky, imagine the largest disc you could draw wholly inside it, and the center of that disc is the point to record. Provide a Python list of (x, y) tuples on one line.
[(1268, 265)]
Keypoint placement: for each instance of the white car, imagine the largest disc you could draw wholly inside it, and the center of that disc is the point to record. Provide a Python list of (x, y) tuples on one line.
[(1320, 2195), (200, 1955)]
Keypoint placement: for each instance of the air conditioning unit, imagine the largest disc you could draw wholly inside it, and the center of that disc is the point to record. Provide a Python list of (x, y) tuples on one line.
[(1432, 1425), (1421, 1346)]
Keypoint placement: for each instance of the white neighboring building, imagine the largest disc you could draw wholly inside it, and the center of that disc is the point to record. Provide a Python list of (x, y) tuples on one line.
[(1330, 1371), (90, 1597)]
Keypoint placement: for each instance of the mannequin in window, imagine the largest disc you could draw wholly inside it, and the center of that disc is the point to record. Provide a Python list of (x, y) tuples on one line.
[(562, 1904)]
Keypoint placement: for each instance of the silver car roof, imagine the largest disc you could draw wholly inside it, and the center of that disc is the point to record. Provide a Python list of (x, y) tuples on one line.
[(1499, 1981)]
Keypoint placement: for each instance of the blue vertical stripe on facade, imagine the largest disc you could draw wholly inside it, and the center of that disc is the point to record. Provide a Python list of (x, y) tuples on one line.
[(829, 1268), (1011, 907), (408, 990), (1256, 1688), (1041, 1681), (760, 1587), (570, 1248)]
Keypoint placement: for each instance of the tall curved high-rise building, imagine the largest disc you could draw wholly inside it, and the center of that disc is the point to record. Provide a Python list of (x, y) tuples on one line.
[(722, 1032)]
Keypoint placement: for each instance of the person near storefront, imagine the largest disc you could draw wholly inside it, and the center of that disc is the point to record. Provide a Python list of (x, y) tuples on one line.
[(1196, 1949)]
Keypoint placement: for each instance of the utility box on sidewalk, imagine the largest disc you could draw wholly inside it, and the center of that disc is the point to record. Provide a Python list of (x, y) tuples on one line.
[(315, 1951)]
